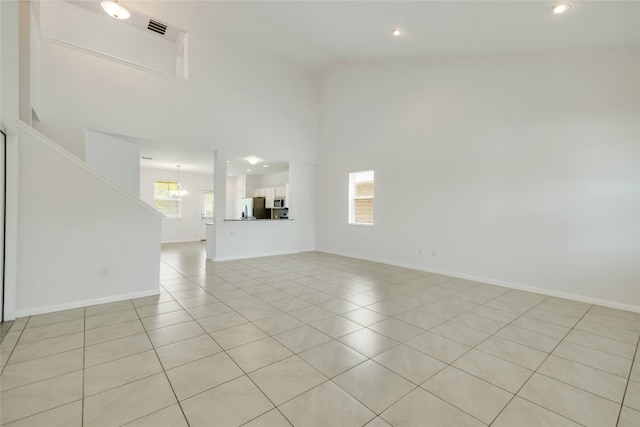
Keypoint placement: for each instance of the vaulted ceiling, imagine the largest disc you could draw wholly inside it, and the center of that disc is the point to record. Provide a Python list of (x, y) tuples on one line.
[(320, 34)]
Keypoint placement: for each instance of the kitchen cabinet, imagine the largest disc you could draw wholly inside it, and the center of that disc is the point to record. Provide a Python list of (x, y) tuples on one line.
[(270, 194), (286, 196)]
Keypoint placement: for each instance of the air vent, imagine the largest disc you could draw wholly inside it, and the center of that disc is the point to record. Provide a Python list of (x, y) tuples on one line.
[(157, 27), (146, 158)]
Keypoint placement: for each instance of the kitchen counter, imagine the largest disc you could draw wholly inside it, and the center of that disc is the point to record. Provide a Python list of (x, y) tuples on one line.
[(256, 220)]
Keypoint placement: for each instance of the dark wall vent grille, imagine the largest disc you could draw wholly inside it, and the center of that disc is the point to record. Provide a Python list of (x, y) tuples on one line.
[(157, 27)]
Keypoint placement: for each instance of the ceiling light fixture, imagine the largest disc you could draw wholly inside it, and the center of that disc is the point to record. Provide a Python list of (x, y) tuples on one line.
[(178, 192), (396, 32), (265, 166), (252, 160), (114, 9), (561, 8)]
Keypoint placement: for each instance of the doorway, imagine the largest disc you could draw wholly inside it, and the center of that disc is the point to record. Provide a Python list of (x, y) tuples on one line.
[(3, 216), (206, 213)]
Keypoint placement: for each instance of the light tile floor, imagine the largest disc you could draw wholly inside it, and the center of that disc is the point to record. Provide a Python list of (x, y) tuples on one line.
[(321, 340)]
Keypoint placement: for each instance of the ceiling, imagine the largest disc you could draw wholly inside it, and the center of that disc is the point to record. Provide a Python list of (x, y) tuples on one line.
[(136, 20), (319, 35), (322, 34), (162, 157), (239, 165), (165, 156)]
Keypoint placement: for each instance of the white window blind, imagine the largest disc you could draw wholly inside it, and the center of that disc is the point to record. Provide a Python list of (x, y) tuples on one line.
[(361, 190)]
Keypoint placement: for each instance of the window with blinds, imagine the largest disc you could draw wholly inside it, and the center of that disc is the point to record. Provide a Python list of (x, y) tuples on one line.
[(165, 199), (361, 197)]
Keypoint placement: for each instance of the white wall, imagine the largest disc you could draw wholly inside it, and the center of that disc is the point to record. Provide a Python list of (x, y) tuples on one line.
[(189, 227), (277, 179), (237, 99), (252, 182), (518, 170), (235, 194), (97, 31), (115, 158), (9, 112), (82, 240)]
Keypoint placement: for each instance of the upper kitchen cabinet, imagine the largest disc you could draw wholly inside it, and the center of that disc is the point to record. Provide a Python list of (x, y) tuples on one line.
[(270, 195)]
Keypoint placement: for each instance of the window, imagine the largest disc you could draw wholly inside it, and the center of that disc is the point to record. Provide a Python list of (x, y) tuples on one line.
[(361, 198), (166, 198)]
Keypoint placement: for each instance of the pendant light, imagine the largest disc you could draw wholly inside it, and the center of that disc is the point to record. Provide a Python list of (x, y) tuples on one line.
[(178, 192), (114, 9)]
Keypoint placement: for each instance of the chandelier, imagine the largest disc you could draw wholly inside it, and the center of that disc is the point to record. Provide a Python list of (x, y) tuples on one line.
[(178, 192)]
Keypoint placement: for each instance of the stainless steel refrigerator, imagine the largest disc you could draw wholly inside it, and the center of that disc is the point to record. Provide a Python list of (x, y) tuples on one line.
[(253, 208)]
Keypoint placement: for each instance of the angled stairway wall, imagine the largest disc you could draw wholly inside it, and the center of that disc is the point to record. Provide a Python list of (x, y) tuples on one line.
[(82, 239)]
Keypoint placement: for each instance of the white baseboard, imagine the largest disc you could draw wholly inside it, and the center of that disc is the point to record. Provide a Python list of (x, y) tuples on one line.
[(504, 284), (84, 303)]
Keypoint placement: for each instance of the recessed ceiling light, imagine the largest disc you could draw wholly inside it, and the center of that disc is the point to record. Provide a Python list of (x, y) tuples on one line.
[(561, 8), (248, 170), (396, 32), (252, 160), (228, 161), (265, 166)]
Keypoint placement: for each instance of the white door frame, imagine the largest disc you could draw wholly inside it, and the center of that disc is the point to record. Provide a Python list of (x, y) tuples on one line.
[(204, 219)]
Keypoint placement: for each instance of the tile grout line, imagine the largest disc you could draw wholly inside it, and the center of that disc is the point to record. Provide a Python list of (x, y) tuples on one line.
[(571, 329), (384, 367), (536, 371), (276, 407), (472, 348), (13, 349), (55, 407), (244, 276), (293, 354), (593, 367), (223, 351), (84, 358), (163, 371), (624, 395), (399, 342), (533, 307)]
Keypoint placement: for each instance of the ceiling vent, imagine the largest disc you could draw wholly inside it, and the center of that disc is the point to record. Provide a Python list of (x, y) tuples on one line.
[(157, 27)]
